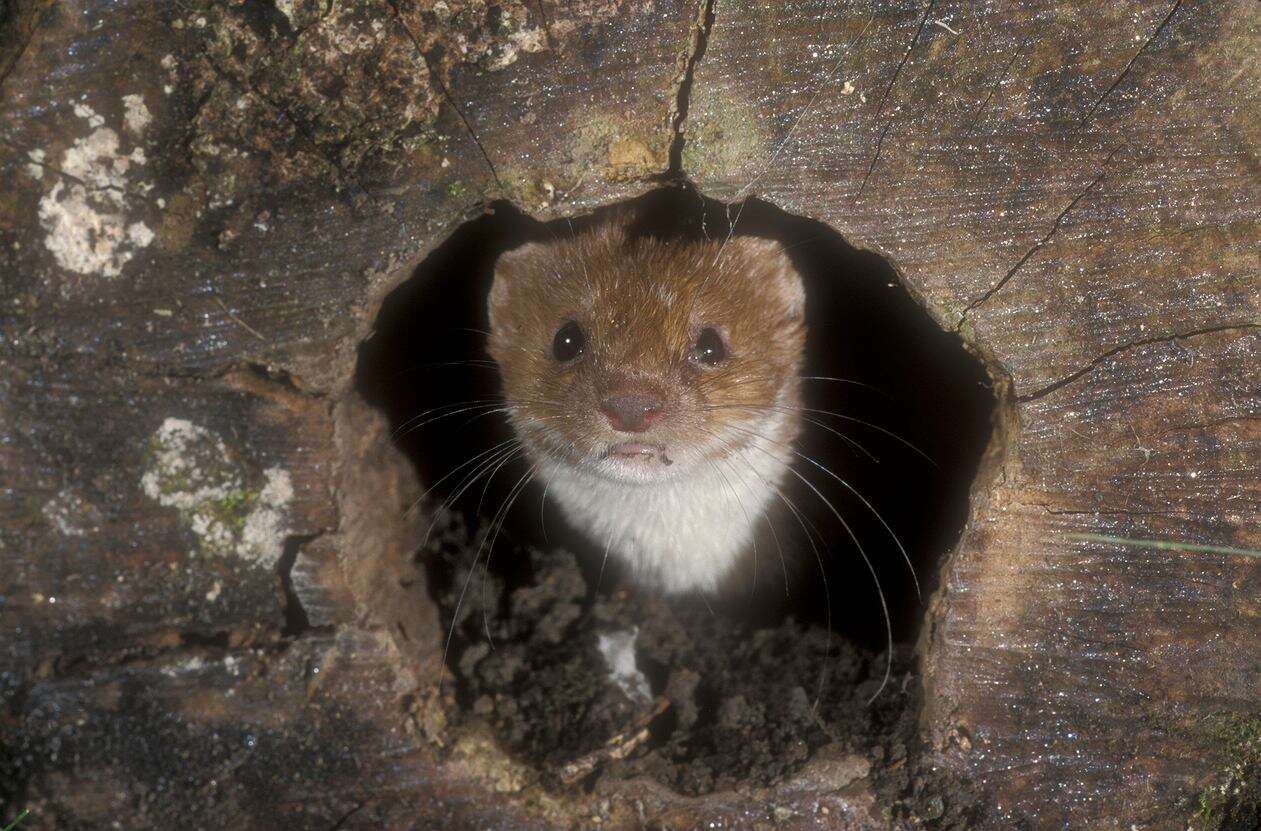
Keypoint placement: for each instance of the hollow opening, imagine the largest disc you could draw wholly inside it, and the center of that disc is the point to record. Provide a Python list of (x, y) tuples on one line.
[(730, 691)]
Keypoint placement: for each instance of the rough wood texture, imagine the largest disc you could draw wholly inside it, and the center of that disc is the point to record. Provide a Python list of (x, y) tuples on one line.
[(202, 202), (1077, 192)]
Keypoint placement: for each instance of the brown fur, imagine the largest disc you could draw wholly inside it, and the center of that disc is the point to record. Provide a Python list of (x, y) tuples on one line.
[(642, 302)]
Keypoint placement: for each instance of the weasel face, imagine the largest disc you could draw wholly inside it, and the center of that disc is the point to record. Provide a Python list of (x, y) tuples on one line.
[(643, 361)]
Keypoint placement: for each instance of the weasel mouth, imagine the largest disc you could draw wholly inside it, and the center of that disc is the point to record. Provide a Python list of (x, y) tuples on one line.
[(638, 450)]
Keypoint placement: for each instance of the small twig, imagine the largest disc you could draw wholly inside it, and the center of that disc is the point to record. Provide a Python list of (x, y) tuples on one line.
[(1165, 545), (240, 322), (618, 747)]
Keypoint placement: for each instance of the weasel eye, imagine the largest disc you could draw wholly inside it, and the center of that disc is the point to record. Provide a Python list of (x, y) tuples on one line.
[(569, 342), (709, 349)]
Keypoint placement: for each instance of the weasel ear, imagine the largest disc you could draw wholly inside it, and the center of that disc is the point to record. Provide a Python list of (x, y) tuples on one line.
[(511, 267), (768, 260)]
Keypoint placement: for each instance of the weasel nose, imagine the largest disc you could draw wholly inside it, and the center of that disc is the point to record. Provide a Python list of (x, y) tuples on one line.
[(631, 412)]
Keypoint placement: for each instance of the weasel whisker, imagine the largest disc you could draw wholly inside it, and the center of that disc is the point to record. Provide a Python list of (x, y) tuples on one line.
[(497, 525), (905, 556)]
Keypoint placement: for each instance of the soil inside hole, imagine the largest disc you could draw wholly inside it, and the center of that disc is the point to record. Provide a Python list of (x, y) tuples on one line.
[(753, 689), (748, 705)]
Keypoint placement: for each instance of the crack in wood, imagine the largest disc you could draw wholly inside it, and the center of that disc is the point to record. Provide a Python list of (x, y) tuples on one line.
[(218, 644), (1206, 425), (1126, 71), (446, 93), (297, 621), (35, 15), (238, 321), (1108, 511), (706, 13), (190, 124), (547, 23), (1111, 353), (885, 98), (1037, 246), (1068, 633), (88, 186), (876, 157), (1002, 76), (344, 818)]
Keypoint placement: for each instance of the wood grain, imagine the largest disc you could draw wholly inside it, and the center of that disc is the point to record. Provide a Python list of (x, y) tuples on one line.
[(1075, 190)]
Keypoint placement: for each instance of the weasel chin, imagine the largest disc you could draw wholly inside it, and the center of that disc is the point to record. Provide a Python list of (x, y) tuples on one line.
[(677, 526)]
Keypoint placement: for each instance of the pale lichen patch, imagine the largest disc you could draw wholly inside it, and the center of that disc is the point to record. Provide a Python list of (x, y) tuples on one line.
[(139, 234), (504, 53), (192, 470), (136, 115), (264, 529), (93, 118), (70, 514), (36, 167), (85, 212)]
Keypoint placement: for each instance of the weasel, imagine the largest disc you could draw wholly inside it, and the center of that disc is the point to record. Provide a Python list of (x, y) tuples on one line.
[(654, 385)]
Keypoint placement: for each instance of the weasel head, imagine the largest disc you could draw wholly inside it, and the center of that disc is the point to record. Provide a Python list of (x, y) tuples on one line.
[(642, 360)]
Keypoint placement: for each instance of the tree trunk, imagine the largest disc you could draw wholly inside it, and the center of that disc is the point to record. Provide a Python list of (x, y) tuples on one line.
[(202, 205)]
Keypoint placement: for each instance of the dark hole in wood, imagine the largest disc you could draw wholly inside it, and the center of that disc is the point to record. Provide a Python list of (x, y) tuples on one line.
[(907, 382)]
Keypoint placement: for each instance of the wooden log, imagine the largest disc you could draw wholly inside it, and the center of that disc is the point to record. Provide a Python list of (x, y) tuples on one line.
[(209, 607), (1075, 190)]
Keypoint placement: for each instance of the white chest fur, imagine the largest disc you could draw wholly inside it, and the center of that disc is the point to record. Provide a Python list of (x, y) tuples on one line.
[(686, 533)]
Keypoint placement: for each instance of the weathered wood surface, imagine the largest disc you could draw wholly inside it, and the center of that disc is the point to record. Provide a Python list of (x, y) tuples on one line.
[(1077, 191), (201, 204)]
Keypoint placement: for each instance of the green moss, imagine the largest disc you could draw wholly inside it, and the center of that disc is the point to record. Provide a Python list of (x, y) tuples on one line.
[(1233, 799), (233, 509), (191, 469), (1240, 735), (522, 188)]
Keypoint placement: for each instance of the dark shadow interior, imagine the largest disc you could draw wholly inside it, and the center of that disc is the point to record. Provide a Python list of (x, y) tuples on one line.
[(906, 427)]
